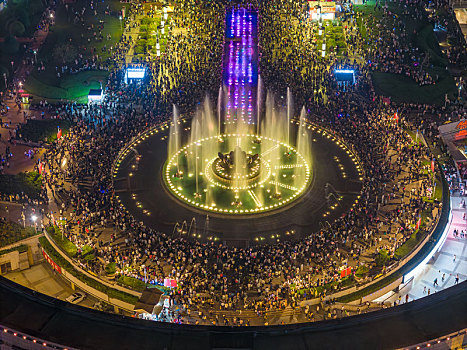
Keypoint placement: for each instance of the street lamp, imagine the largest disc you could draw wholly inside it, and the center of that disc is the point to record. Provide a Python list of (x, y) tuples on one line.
[(34, 219), (35, 56), (4, 77)]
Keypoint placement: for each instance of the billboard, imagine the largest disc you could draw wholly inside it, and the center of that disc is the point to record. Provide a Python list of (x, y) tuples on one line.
[(327, 9), (135, 73)]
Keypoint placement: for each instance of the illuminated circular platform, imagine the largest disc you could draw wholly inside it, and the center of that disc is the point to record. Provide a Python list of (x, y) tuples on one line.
[(263, 174), (152, 189)]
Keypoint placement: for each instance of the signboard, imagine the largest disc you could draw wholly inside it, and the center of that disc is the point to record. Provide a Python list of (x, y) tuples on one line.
[(95, 95), (170, 282), (454, 131), (346, 272), (327, 9), (51, 262), (135, 73), (345, 75)]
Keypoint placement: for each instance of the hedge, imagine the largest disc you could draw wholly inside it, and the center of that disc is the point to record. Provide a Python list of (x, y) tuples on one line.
[(29, 183), (64, 264), (12, 232), (21, 248), (64, 243), (132, 282)]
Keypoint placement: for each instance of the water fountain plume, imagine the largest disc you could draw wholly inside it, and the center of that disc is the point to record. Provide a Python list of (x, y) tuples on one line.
[(259, 104), (289, 113), (174, 136), (219, 108), (303, 145)]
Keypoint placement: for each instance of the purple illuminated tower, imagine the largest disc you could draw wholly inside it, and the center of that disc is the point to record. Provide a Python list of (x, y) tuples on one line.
[(240, 67)]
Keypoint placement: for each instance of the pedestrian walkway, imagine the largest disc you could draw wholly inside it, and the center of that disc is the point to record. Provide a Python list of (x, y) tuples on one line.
[(444, 268)]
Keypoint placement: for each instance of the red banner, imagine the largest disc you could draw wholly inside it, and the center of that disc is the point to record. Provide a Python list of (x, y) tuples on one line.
[(346, 272), (51, 262), (170, 282), (419, 222)]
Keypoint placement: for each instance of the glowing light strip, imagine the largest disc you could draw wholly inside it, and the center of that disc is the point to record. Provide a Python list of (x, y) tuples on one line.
[(255, 198)]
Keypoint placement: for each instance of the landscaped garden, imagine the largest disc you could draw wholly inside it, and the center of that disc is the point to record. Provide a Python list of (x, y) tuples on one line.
[(18, 21), (64, 264), (80, 46), (43, 130), (429, 59), (27, 183), (11, 232)]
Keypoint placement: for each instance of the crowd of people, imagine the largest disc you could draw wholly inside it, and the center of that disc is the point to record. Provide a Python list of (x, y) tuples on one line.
[(259, 278)]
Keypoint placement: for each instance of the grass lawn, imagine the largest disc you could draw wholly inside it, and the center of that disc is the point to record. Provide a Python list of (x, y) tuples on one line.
[(71, 87), (46, 83), (43, 130), (19, 19), (29, 183), (403, 89)]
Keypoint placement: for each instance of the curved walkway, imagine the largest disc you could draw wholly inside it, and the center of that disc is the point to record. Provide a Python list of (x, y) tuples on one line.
[(445, 266)]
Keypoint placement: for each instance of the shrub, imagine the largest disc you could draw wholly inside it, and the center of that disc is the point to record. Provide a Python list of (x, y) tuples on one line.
[(21, 248), (63, 242), (132, 282), (382, 258), (361, 271), (111, 268), (12, 232)]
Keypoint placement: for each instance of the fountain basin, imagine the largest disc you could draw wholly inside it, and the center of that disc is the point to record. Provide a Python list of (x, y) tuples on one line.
[(272, 174)]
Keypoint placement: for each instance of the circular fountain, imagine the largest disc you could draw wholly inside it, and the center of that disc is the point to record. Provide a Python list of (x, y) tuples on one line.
[(257, 175), (250, 171)]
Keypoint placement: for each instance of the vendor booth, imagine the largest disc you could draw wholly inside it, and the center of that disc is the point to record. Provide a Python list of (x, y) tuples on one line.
[(322, 10)]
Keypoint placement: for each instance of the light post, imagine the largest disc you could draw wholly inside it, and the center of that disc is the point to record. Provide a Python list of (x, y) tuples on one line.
[(34, 219), (4, 77), (35, 56), (460, 87)]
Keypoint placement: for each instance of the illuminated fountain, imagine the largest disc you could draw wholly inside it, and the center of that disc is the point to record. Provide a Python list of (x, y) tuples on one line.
[(233, 161)]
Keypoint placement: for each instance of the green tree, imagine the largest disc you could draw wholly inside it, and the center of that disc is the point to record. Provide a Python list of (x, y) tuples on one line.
[(65, 53), (11, 45), (16, 28)]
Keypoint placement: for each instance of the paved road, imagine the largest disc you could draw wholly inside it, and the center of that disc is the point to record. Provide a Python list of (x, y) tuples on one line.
[(42, 278)]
